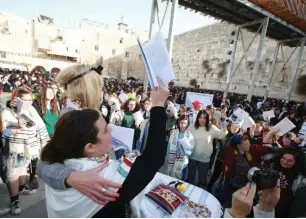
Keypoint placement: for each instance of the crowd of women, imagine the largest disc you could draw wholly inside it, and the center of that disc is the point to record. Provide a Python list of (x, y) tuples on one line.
[(53, 130)]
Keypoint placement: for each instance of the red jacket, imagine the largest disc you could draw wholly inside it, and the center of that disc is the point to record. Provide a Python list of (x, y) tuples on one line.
[(256, 152)]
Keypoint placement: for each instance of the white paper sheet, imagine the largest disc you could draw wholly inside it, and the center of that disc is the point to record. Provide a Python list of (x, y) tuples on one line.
[(122, 138), (123, 97), (152, 80), (177, 106), (239, 116), (268, 114), (26, 120), (284, 126), (157, 60), (138, 117), (205, 99), (19, 105), (247, 122)]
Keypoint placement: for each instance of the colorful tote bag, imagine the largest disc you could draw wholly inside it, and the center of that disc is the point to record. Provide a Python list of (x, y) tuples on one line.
[(166, 197)]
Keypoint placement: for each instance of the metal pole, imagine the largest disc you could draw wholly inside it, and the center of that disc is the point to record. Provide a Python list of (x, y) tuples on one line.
[(231, 65), (165, 13), (258, 57), (33, 37), (272, 70), (152, 21), (170, 35), (296, 68)]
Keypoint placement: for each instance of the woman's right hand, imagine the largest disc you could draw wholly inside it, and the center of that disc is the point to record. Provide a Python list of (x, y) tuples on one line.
[(13, 103), (89, 183), (21, 124), (159, 95)]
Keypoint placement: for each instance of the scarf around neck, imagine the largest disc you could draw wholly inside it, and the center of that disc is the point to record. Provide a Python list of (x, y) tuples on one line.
[(176, 154), (73, 204)]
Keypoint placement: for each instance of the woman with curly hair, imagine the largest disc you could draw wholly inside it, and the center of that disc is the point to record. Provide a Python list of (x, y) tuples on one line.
[(290, 164), (48, 108)]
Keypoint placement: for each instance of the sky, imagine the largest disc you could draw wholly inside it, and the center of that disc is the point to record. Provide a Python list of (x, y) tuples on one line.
[(136, 13)]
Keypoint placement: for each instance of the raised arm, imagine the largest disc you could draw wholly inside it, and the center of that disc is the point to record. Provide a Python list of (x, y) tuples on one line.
[(152, 159), (219, 133)]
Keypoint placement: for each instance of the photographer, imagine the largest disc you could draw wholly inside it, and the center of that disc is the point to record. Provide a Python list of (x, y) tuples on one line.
[(242, 202)]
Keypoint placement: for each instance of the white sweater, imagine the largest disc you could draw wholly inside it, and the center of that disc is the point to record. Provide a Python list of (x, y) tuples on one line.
[(203, 142)]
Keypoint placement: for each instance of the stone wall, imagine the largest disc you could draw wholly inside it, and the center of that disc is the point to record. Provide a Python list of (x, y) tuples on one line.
[(201, 54)]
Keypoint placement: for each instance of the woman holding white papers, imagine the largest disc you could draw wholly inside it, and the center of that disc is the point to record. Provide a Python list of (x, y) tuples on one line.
[(126, 118), (204, 133), (180, 147), (24, 135)]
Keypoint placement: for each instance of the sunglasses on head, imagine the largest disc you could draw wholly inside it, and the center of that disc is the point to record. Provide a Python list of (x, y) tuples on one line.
[(98, 70)]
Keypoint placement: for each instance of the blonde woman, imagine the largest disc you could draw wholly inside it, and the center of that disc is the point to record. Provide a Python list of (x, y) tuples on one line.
[(83, 88)]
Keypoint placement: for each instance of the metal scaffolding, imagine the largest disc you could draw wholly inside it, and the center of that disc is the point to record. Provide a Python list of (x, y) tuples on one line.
[(247, 16), (155, 16), (262, 30), (294, 73)]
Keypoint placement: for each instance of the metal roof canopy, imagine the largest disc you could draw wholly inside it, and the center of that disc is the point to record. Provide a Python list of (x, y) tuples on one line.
[(240, 12)]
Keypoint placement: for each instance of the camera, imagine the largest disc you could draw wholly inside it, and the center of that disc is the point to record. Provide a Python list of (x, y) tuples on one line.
[(264, 178)]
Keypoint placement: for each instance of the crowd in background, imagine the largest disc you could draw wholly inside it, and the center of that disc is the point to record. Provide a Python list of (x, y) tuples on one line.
[(210, 152)]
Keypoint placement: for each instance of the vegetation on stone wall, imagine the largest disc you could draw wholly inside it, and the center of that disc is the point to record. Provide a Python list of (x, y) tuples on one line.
[(193, 82), (222, 69)]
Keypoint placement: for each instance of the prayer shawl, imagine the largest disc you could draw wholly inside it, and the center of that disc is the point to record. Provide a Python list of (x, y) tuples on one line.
[(26, 142), (71, 203), (117, 117), (177, 153)]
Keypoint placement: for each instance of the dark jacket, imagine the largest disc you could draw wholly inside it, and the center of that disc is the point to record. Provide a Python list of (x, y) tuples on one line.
[(144, 168)]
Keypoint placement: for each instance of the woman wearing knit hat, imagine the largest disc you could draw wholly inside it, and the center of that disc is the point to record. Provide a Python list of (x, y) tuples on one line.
[(239, 158)]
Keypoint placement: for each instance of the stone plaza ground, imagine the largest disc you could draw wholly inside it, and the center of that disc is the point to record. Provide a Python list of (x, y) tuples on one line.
[(33, 206)]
